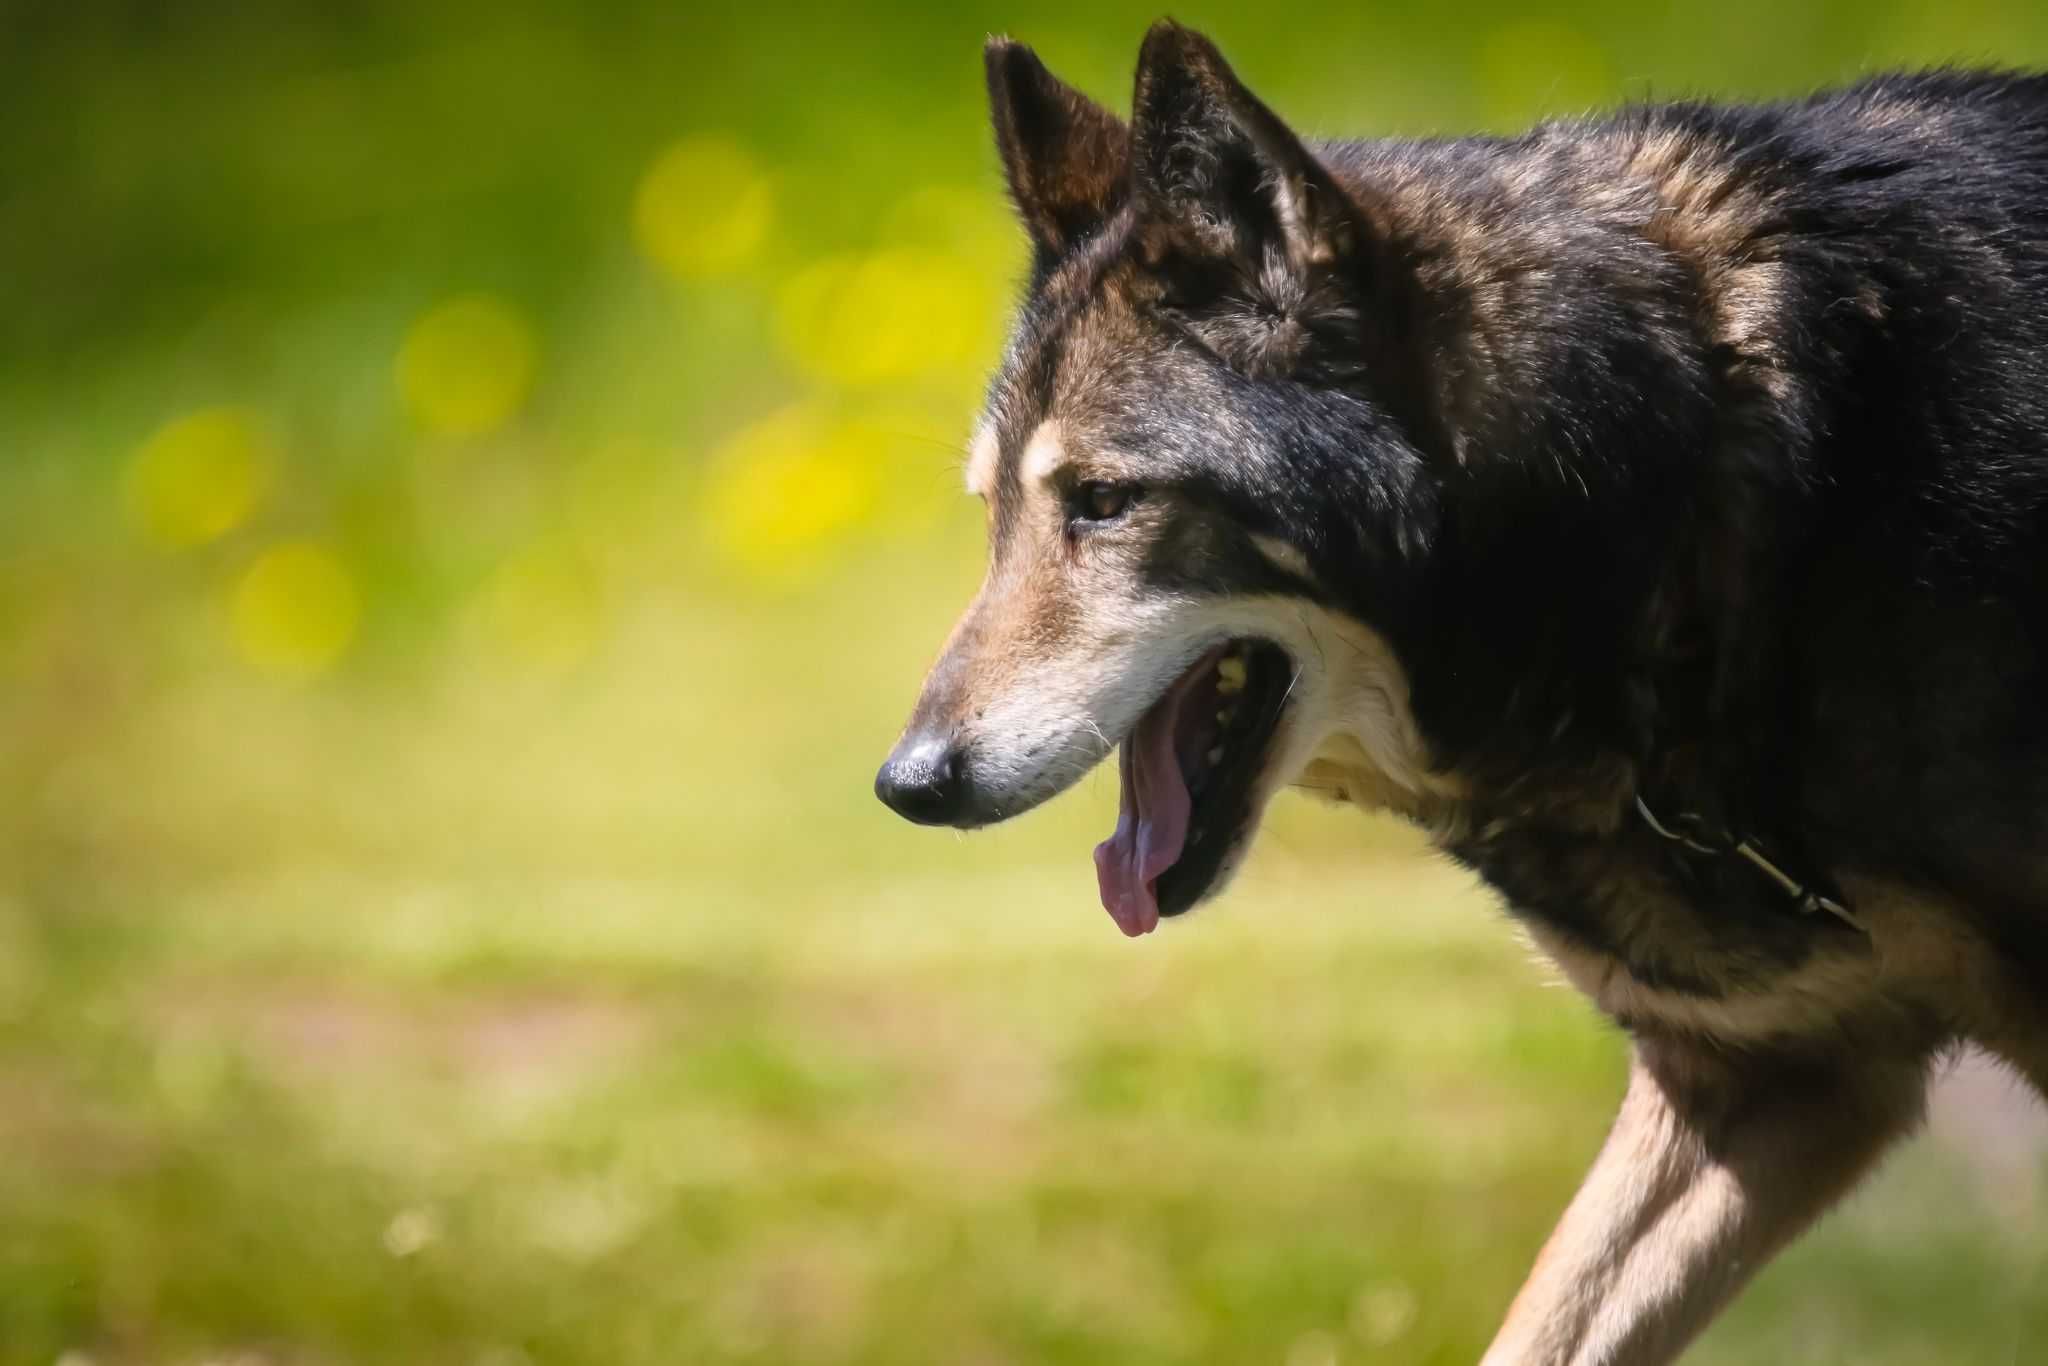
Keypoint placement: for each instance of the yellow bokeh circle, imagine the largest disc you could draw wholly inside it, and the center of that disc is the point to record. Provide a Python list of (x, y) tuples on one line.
[(467, 367), (702, 209), (962, 221), (788, 486), (294, 611), (198, 477), (888, 315)]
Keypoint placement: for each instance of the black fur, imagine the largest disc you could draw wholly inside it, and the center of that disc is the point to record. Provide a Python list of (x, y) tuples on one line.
[(1795, 579), (1691, 460)]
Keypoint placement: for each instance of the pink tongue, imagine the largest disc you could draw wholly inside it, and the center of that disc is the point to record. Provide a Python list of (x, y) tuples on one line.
[(1152, 821)]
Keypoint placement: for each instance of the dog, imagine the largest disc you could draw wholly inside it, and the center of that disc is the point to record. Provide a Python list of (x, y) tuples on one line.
[(1653, 507)]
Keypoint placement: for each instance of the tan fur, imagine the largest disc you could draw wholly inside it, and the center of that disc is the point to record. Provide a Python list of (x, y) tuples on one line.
[(1043, 455), (1920, 961), (982, 457), (1368, 749), (1716, 1160), (1063, 649), (1284, 555)]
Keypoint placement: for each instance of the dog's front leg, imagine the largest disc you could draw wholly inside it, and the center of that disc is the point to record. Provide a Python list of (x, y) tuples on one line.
[(1717, 1160)]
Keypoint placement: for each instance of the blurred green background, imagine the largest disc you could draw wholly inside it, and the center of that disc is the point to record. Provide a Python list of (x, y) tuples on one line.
[(478, 486)]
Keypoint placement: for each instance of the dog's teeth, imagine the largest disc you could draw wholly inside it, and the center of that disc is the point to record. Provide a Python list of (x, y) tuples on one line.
[(1225, 716), (1230, 675), (1216, 755)]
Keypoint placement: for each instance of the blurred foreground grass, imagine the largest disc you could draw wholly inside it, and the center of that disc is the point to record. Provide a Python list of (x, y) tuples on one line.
[(646, 1042), (477, 484)]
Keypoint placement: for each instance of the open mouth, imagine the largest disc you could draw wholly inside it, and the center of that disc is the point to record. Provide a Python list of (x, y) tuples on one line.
[(1188, 770)]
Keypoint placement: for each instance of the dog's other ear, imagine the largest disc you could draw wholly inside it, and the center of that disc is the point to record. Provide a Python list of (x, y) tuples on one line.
[(1063, 154), (1216, 174)]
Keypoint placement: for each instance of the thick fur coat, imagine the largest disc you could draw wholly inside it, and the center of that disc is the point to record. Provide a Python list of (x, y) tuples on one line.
[(1605, 498)]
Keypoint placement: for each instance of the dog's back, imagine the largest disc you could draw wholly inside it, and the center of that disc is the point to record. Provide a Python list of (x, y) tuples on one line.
[(1916, 235), (1853, 286)]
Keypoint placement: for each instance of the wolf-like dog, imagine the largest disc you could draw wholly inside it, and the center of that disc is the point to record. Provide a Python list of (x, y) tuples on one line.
[(1653, 507)]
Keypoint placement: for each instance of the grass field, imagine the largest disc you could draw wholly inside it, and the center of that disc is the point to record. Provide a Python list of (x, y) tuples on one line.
[(477, 489), (640, 1044)]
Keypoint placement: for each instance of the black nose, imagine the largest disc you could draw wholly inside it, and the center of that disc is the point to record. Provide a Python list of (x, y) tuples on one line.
[(924, 781)]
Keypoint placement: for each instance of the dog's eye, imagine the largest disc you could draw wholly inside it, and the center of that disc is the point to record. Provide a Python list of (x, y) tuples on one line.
[(1098, 500)]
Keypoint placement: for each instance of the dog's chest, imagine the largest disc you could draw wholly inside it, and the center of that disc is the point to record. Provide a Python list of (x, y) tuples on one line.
[(1655, 941), (1654, 937)]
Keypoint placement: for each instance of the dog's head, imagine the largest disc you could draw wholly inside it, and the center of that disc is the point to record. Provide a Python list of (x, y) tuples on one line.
[(1201, 486)]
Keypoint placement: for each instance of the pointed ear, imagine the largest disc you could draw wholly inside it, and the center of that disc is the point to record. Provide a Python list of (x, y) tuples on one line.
[(1215, 173), (1063, 154)]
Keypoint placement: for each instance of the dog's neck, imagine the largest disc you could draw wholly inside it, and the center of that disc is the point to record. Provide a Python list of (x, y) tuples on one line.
[(1372, 753)]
